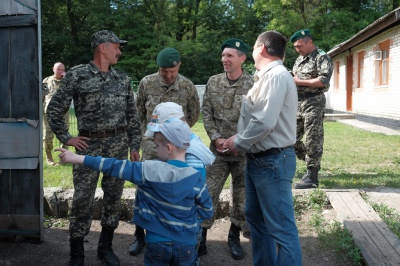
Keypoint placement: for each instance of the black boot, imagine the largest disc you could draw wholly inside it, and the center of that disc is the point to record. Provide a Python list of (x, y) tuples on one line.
[(137, 246), (237, 252), (77, 252), (104, 249), (309, 180), (203, 248)]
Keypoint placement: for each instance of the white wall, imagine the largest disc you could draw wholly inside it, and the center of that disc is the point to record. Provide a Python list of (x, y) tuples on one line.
[(371, 100)]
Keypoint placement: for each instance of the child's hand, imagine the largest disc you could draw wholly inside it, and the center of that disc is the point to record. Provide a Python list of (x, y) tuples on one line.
[(69, 157)]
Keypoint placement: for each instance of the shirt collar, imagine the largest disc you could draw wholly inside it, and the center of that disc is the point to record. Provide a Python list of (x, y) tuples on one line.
[(266, 68), (95, 69)]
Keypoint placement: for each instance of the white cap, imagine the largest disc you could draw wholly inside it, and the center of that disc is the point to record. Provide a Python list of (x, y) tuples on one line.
[(174, 130), (162, 112)]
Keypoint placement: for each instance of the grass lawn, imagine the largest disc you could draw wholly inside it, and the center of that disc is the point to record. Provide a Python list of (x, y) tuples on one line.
[(353, 158)]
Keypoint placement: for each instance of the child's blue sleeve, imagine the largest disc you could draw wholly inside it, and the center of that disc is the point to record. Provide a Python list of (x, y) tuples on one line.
[(124, 169)]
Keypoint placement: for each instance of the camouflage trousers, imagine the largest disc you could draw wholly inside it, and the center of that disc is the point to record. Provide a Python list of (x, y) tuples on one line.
[(310, 125), (217, 174), (85, 182), (48, 134)]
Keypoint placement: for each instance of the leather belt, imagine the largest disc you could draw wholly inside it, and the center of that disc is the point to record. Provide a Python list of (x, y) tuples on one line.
[(271, 151), (103, 133)]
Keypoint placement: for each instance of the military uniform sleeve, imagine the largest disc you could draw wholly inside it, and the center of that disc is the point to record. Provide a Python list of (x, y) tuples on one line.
[(141, 102), (208, 114), (58, 106), (325, 69), (133, 121), (193, 108)]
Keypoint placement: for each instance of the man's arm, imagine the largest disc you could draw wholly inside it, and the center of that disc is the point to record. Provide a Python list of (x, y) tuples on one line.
[(134, 126), (208, 113), (193, 105)]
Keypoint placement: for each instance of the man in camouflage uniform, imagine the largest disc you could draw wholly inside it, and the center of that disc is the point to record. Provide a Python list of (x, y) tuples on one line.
[(312, 73), (221, 112), (50, 85), (108, 126), (167, 85)]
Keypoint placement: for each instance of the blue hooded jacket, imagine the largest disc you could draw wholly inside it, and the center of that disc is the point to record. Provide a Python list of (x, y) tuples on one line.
[(170, 198)]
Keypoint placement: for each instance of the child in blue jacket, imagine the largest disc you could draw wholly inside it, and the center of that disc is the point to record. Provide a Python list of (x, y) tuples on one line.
[(171, 196)]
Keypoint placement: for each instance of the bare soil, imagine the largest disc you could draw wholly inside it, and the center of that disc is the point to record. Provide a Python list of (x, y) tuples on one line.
[(54, 249)]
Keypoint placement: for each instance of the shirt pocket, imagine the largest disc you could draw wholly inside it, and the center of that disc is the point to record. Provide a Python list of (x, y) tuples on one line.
[(90, 99)]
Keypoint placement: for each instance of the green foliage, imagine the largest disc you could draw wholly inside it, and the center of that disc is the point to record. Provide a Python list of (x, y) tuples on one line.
[(339, 239), (389, 216)]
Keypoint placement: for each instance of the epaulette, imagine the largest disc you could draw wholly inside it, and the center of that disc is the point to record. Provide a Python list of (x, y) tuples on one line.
[(321, 52), (78, 66)]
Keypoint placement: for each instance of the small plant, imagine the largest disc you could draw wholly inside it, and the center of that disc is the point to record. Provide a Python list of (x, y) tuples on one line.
[(389, 216), (317, 199), (339, 239), (49, 221)]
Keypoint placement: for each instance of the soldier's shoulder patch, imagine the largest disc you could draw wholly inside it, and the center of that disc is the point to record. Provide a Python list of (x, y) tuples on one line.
[(321, 52)]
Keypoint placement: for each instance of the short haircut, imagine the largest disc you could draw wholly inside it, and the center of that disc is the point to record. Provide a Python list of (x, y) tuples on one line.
[(274, 42), (164, 141), (240, 53)]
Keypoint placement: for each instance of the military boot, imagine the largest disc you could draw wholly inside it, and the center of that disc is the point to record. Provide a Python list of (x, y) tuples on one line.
[(77, 252), (309, 180), (137, 246), (104, 249), (203, 248), (236, 250)]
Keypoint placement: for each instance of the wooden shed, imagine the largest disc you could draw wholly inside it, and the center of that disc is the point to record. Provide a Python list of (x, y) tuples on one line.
[(21, 170)]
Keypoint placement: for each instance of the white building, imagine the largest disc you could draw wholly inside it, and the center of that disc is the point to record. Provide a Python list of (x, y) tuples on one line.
[(366, 76)]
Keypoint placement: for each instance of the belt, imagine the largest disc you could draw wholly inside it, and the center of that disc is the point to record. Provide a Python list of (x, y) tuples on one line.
[(266, 152), (103, 133)]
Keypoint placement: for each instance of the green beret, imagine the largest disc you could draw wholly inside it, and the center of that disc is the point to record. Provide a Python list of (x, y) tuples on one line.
[(300, 34), (168, 57), (105, 36), (235, 44)]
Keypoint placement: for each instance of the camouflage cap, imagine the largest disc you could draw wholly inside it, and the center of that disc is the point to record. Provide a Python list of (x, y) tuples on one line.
[(300, 34), (168, 57), (105, 36), (235, 44)]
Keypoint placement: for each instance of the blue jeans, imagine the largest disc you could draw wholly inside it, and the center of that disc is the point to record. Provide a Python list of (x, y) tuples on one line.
[(269, 209), (170, 253)]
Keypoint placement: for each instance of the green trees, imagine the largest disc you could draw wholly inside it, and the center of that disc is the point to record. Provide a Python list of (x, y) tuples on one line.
[(195, 27)]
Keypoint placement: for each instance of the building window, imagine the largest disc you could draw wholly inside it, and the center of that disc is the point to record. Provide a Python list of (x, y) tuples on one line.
[(384, 63), (360, 69), (336, 75)]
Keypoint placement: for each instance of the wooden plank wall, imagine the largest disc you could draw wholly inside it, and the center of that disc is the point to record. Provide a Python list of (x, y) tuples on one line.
[(20, 189)]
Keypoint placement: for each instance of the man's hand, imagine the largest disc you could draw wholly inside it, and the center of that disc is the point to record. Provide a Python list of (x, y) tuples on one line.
[(78, 142), (135, 156), (229, 145), (219, 142), (67, 156)]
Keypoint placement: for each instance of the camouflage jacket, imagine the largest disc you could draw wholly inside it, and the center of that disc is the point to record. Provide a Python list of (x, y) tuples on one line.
[(151, 92), (50, 85), (102, 101), (315, 65), (221, 104)]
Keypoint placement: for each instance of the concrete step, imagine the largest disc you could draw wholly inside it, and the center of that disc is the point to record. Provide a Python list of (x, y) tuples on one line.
[(334, 117)]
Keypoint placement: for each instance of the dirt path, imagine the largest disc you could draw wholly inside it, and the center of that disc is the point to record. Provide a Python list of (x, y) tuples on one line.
[(54, 250)]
